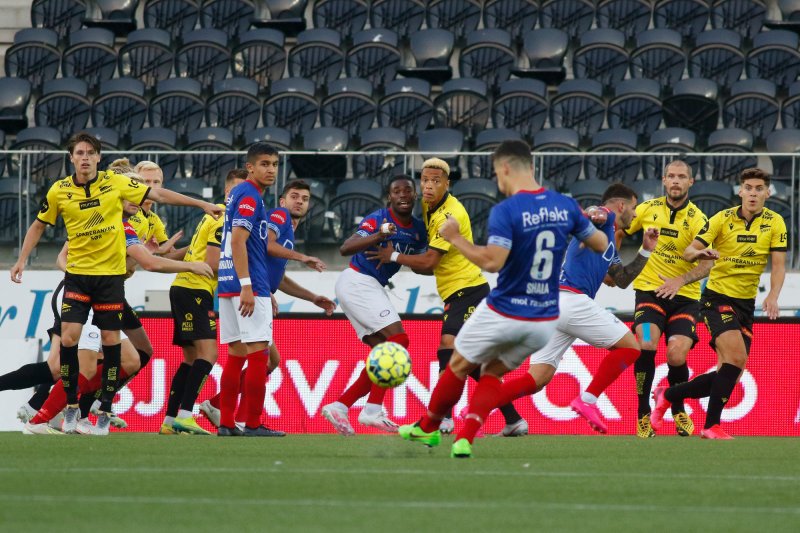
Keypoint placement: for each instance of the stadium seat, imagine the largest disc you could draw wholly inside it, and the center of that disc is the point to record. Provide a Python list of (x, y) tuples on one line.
[(431, 49), (3, 155), (403, 16), (752, 106), (601, 56), (407, 106), (521, 105), (658, 56), (631, 17), (204, 56), (775, 57), (291, 105), (742, 16), (373, 56), (588, 192), (42, 168), (782, 202), (724, 167), (573, 16), (612, 167), (478, 196), (711, 197), (688, 17), (442, 141), (487, 56), (331, 167), (260, 56), (118, 16), (234, 105), (231, 16), (545, 49), (109, 141), (34, 56), (346, 16), (317, 56), (693, 105), (175, 16), (12, 220), (209, 167), (156, 140), (277, 137), (349, 105), (353, 200), (647, 189), (63, 105), (579, 105), (636, 106), (790, 109), (90, 56), (147, 56), (120, 105), (378, 166), (61, 16), (462, 105), (674, 140), (286, 16), (515, 16), (458, 16), (177, 105), (717, 56), (15, 95), (480, 166), (784, 140), (557, 170)]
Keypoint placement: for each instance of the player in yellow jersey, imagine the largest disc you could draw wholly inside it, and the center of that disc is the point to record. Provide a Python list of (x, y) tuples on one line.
[(738, 243), (153, 177), (678, 221), (90, 203), (460, 283)]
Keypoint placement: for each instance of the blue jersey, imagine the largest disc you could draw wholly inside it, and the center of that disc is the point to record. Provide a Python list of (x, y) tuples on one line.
[(584, 270), (535, 227), (246, 210), (279, 221), (408, 240)]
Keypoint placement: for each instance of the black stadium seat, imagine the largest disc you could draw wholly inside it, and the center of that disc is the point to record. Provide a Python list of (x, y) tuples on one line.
[(717, 56), (458, 16), (463, 105), (631, 17), (317, 56), (15, 94), (722, 166), (63, 105), (349, 105), (515, 16), (231, 16), (403, 16), (234, 105), (177, 105), (636, 106), (374, 56), (487, 56), (90, 56), (62, 16), (291, 105), (118, 16), (147, 55), (204, 56), (346, 16), (120, 105), (175, 16), (407, 106), (34, 56), (579, 105), (260, 56), (752, 106), (431, 50), (601, 56), (521, 105)]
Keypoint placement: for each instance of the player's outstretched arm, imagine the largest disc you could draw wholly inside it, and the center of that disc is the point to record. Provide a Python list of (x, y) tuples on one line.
[(292, 288), (166, 196), (490, 258), (776, 279), (154, 263), (597, 242), (357, 243), (671, 286), (420, 263), (276, 250), (32, 237), (622, 276)]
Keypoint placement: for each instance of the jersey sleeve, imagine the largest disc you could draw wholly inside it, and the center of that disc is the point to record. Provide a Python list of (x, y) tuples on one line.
[(278, 218), (636, 223), (215, 231), (778, 243), (159, 231), (48, 213), (131, 238), (129, 189), (369, 226), (244, 213), (501, 232), (435, 238), (711, 229), (583, 227)]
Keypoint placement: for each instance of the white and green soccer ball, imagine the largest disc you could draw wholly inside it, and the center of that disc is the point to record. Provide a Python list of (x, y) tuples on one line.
[(388, 365)]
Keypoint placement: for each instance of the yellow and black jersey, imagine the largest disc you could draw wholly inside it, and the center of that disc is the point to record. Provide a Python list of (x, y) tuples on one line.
[(92, 215), (744, 248), (157, 228), (454, 271), (207, 233), (140, 225), (677, 229)]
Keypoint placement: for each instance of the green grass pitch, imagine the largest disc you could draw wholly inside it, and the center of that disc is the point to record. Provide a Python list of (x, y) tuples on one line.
[(136, 482)]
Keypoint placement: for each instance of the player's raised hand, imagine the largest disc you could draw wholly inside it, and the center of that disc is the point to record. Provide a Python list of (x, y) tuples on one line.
[(315, 263), (325, 303), (597, 215), (650, 239), (708, 254), (669, 288), (247, 302), (213, 209), (169, 245), (770, 307), (450, 229), (201, 268), (16, 272), (387, 229), (383, 254), (151, 245)]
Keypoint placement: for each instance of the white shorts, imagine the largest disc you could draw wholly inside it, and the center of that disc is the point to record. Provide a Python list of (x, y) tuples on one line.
[(488, 335), (90, 336), (254, 328), (580, 317), (364, 302)]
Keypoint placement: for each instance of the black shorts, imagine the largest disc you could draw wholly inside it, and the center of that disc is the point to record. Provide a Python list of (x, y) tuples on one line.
[(672, 317), (104, 294), (722, 313), (460, 305), (193, 316)]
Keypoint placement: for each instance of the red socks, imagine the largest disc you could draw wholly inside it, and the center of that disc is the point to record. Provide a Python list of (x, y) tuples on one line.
[(361, 387), (57, 400), (612, 365), (401, 339), (483, 401), (445, 395), (255, 387), (229, 387), (524, 385)]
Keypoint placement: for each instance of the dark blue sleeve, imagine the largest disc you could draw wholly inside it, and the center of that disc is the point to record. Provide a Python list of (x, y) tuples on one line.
[(501, 231)]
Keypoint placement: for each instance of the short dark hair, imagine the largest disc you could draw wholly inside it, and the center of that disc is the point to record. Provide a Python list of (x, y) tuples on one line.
[(754, 174), (83, 137), (295, 185), (679, 162), (260, 148), (400, 177), (618, 190), (517, 151), (236, 174)]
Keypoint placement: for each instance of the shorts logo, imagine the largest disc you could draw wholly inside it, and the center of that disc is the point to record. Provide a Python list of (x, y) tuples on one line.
[(70, 295), (384, 313), (88, 204), (278, 217), (198, 300), (247, 207), (211, 314), (65, 307), (212, 324), (726, 317), (108, 307), (188, 316), (725, 309), (93, 335)]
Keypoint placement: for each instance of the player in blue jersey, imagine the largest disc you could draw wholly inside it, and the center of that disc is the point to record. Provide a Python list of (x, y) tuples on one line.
[(360, 290), (528, 235), (581, 317), (245, 307)]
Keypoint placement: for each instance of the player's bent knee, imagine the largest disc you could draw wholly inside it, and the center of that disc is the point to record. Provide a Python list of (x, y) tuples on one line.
[(460, 366), (542, 374)]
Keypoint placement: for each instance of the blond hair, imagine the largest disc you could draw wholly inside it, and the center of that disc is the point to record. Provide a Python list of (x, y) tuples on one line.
[(435, 162), (121, 166), (147, 165)]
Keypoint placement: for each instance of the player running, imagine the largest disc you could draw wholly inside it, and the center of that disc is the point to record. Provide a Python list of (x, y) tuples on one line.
[(528, 234), (460, 284), (678, 222), (361, 293), (735, 248), (580, 317)]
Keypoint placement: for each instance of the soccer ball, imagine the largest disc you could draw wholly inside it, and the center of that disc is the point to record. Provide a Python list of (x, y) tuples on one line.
[(388, 365)]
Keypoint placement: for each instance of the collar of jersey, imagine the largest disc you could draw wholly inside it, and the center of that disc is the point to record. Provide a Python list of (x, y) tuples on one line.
[(739, 215), (87, 184), (254, 184), (441, 202), (535, 191), (682, 206), (397, 222)]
